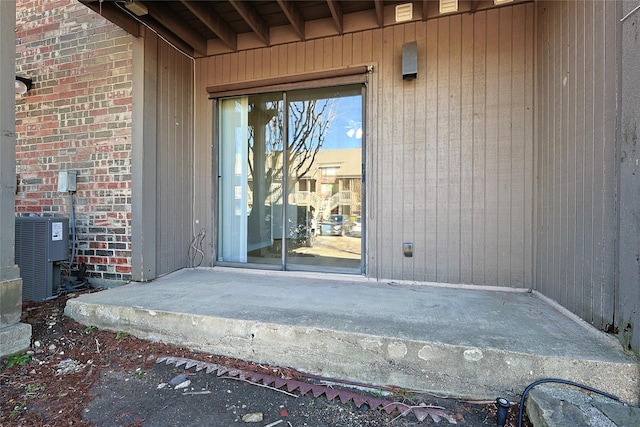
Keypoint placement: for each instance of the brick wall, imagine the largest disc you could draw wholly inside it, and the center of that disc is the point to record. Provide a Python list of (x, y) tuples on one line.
[(76, 117)]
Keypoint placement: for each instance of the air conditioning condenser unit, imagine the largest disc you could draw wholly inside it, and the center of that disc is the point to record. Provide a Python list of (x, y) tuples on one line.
[(41, 242)]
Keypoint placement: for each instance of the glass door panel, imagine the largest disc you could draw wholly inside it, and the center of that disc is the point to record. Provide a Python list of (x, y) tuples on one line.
[(324, 180), (265, 116), (299, 207), (233, 185), (251, 179)]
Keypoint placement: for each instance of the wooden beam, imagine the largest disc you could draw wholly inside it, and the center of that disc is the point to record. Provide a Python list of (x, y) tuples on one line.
[(110, 11), (336, 14), (252, 18), (379, 12), (425, 11), (430, 9), (294, 16), (166, 34), (220, 28), (356, 74), (180, 28)]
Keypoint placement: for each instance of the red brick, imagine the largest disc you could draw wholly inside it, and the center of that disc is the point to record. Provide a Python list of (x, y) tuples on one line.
[(71, 100)]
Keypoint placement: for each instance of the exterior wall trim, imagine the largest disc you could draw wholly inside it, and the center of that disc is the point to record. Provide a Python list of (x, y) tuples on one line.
[(144, 198), (332, 77)]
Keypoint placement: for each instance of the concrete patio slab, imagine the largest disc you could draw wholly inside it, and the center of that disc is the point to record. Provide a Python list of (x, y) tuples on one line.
[(477, 343)]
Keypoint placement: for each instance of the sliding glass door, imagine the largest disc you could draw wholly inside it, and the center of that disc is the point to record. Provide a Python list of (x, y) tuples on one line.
[(296, 205)]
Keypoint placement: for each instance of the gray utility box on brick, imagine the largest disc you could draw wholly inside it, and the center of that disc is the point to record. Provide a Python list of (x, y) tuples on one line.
[(40, 243)]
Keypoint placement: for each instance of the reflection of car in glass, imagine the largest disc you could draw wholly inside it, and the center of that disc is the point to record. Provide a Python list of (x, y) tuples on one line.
[(299, 228), (332, 226), (356, 228)]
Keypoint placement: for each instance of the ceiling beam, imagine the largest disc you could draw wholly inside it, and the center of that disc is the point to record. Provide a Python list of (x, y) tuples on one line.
[(294, 16), (166, 34), (380, 12), (110, 11), (252, 18), (180, 28), (220, 28), (336, 14), (430, 9)]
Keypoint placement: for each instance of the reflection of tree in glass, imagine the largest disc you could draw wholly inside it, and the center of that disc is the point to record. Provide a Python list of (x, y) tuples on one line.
[(309, 123)]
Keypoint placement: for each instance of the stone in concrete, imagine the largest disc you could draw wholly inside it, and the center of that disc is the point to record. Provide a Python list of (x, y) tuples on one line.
[(15, 339), (10, 302), (621, 415), (550, 405)]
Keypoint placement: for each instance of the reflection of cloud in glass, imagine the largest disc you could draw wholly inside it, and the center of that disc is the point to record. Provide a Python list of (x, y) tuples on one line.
[(355, 129), (347, 129)]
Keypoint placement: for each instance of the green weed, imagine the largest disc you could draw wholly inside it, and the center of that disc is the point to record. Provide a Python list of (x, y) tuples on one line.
[(19, 359), (121, 335), (35, 387), (17, 409)]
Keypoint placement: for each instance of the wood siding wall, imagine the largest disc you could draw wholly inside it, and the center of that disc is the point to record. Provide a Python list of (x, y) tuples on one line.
[(449, 162), (577, 158), (174, 173), (163, 163), (628, 298)]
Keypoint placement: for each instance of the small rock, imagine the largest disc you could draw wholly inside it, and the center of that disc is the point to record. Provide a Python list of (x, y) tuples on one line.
[(52, 347), (184, 384), (36, 344), (68, 366), (161, 386), (254, 417)]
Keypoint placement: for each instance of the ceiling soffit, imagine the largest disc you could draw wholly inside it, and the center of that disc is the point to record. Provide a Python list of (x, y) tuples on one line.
[(205, 28)]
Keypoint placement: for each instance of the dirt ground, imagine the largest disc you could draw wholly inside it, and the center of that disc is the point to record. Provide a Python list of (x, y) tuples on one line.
[(76, 375)]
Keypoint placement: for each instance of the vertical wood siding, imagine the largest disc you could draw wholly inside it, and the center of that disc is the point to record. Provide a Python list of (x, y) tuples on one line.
[(204, 159), (449, 155), (174, 163), (628, 299), (576, 154)]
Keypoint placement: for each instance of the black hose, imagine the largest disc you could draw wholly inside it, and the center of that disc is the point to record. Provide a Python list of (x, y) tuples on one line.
[(561, 381)]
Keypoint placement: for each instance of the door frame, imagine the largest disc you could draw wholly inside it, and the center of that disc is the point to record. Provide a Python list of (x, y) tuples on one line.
[(216, 95)]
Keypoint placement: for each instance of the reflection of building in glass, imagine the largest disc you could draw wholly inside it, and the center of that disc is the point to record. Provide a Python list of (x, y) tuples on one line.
[(334, 186)]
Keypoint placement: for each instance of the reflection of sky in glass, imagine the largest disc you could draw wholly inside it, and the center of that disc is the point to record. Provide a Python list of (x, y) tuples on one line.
[(346, 125)]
